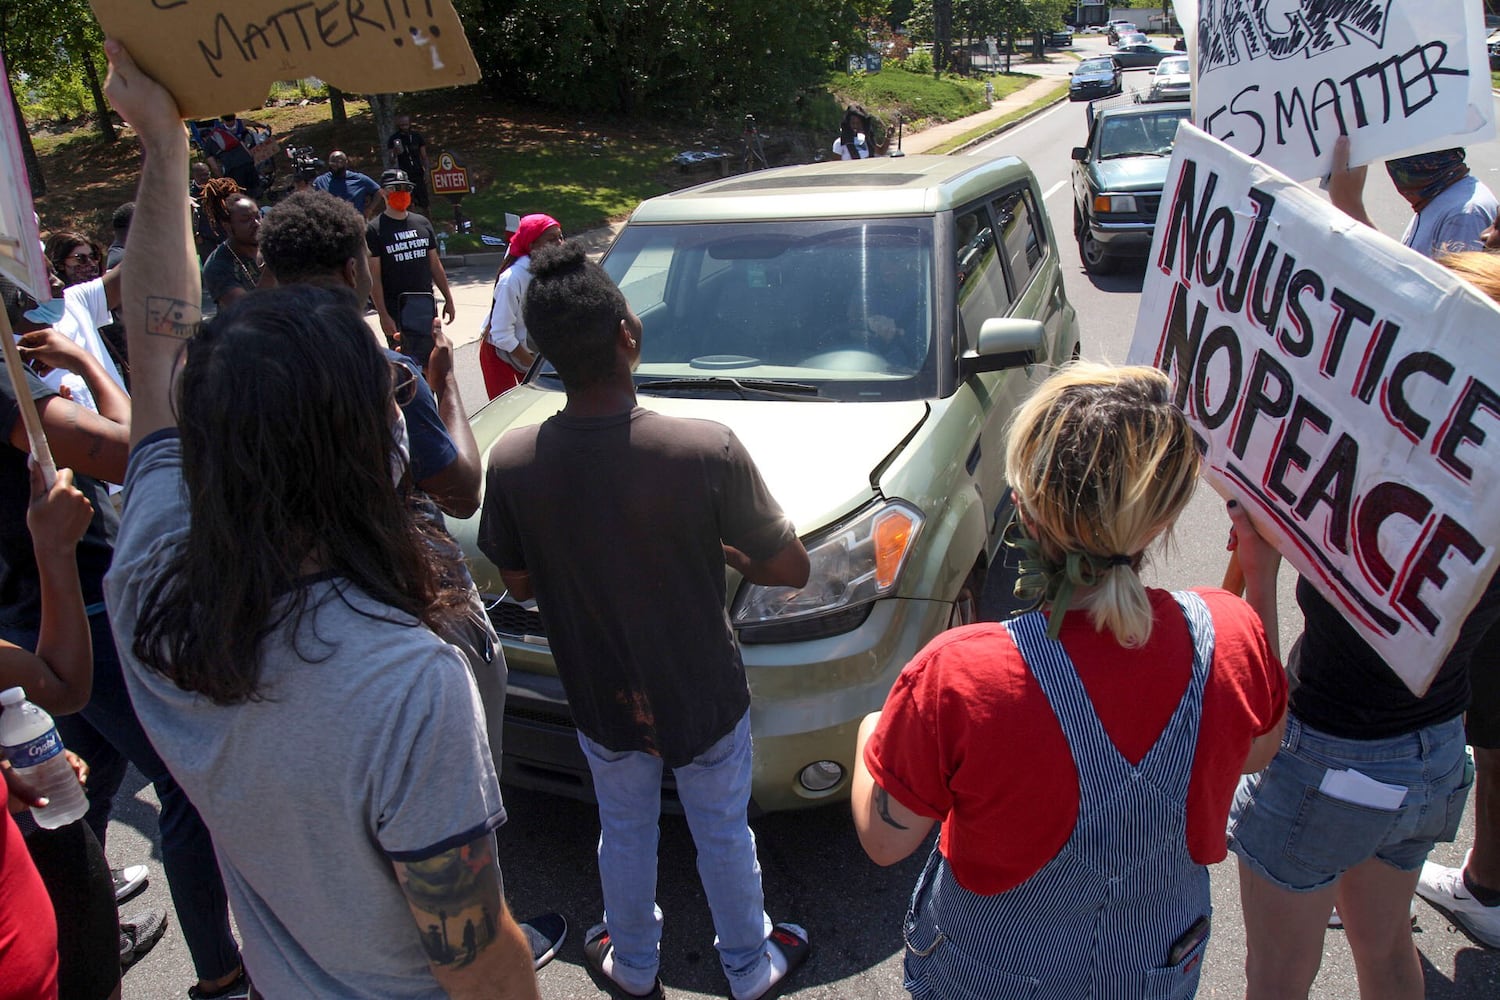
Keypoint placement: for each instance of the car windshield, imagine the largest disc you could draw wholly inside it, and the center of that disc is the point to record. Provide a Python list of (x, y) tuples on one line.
[(839, 307), (1128, 39), (1176, 66), (1095, 66), (1139, 135)]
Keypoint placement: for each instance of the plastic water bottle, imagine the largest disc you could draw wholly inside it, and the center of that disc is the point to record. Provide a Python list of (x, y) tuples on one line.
[(34, 749)]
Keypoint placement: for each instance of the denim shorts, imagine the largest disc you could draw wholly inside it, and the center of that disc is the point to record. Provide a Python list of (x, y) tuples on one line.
[(1302, 839)]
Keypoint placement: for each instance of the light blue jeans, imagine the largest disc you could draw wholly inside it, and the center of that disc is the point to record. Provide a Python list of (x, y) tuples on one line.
[(715, 794)]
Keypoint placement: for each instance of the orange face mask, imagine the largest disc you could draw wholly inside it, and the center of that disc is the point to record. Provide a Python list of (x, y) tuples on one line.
[(399, 200)]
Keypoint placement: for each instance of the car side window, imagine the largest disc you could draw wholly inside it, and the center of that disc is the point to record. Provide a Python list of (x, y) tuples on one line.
[(1019, 236), (982, 293)]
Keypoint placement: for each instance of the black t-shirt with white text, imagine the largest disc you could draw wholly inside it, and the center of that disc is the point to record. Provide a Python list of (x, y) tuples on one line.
[(402, 246)]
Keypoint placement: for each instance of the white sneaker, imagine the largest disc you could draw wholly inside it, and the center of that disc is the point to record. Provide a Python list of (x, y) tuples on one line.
[(1444, 888)]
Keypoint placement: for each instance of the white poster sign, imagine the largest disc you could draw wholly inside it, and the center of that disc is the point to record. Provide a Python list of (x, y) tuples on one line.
[(21, 257), (1280, 80), (1344, 388)]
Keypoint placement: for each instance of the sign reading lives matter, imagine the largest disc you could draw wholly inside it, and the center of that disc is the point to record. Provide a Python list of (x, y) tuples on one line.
[(222, 55), (1280, 80), (1344, 388)]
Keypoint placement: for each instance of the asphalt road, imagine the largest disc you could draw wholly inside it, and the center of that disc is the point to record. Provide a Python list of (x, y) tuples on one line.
[(814, 871)]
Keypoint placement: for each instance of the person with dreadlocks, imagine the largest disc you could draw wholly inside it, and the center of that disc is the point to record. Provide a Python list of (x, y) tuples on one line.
[(1453, 207), (856, 139), (1081, 757), (211, 220)]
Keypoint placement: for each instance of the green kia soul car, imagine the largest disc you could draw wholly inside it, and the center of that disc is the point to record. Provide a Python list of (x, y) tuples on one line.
[(866, 328)]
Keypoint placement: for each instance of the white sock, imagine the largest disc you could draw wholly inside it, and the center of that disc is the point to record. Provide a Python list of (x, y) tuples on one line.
[(775, 969)]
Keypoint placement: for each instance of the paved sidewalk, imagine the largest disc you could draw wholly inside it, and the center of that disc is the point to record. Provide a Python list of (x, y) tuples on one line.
[(930, 138)]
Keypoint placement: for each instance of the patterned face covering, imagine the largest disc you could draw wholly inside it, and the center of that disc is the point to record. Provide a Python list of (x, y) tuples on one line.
[(1425, 175)]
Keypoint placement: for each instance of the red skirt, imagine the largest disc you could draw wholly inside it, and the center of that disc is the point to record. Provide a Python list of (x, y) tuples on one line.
[(499, 376)]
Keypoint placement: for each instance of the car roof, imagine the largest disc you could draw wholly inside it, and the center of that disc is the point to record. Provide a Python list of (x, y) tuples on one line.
[(877, 187)]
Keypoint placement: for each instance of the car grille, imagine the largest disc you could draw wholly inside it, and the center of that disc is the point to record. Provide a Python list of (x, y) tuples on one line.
[(1148, 204), (513, 620)]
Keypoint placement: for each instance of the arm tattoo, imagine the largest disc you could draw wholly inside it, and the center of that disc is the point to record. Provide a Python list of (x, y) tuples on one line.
[(455, 899), (883, 806), (167, 317)]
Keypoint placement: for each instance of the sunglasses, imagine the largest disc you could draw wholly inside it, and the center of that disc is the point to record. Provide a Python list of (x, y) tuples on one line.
[(403, 383), (81, 257)]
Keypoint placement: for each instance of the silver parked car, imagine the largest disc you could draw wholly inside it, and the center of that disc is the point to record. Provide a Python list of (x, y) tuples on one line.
[(866, 329)]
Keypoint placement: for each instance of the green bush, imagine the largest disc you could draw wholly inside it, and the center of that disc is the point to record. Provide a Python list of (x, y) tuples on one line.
[(919, 61), (919, 97)]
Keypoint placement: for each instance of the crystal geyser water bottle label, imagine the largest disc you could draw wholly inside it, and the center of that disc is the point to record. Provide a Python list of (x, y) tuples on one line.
[(37, 751)]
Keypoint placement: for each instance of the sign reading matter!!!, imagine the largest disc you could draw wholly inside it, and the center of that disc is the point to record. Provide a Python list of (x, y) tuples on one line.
[(1281, 79), (1343, 387), (222, 55)]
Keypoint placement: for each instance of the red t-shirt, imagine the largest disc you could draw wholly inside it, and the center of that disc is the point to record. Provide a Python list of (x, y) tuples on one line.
[(968, 737), (28, 927)]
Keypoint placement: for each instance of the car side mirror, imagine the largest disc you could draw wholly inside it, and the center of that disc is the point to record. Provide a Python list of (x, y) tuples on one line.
[(1080, 153), (1004, 343)]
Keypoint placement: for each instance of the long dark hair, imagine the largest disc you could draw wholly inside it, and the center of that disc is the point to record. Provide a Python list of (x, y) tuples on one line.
[(60, 245), (285, 412)]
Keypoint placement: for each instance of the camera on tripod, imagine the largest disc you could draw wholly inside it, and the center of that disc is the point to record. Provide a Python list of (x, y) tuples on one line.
[(306, 165)]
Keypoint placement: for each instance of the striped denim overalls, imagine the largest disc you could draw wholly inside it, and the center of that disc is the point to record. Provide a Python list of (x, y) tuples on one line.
[(1100, 919)]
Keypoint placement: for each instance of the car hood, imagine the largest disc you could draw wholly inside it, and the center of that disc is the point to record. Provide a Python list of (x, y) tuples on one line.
[(1173, 80), (817, 458), (1132, 173)]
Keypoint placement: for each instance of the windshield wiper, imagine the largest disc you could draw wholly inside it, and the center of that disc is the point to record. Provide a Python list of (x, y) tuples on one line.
[(743, 387)]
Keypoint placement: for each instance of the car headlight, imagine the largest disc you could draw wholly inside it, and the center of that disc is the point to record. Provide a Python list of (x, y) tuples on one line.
[(852, 565), (1106, 203)]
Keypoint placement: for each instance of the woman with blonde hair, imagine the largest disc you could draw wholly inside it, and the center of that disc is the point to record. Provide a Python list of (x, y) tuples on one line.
[(1081, 757)]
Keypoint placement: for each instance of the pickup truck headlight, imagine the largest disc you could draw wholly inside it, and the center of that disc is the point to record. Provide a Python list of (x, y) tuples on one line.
[(1106, 203), (852, 565)]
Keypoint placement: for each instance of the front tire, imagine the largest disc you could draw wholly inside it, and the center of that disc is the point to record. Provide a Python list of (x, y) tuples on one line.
[(965, 609), (1096, 259)]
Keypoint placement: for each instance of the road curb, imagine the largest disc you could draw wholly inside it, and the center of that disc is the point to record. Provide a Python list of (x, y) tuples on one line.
[(1001, 129)]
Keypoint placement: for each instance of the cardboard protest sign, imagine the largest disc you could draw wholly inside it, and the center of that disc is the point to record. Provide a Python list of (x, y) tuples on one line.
[(1346, 389), (21, 257), (1280, 80), (223, 55)]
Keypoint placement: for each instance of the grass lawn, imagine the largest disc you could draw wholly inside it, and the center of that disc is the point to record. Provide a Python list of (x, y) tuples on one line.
[(921, 98)]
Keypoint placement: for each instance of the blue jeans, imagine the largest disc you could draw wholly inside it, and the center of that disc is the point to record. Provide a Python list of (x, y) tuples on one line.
[(715, 794), (1301, 839), (187, 850)]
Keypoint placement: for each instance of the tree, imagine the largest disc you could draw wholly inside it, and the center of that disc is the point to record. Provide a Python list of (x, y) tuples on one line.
[(648, 56)]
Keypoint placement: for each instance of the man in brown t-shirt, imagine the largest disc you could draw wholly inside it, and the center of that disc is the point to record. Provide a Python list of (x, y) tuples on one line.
[(620, 522)]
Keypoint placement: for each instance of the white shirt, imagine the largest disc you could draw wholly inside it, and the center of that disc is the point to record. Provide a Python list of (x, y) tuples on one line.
[(859, 144), (507, 325), (85, 309), (1453, 219)]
